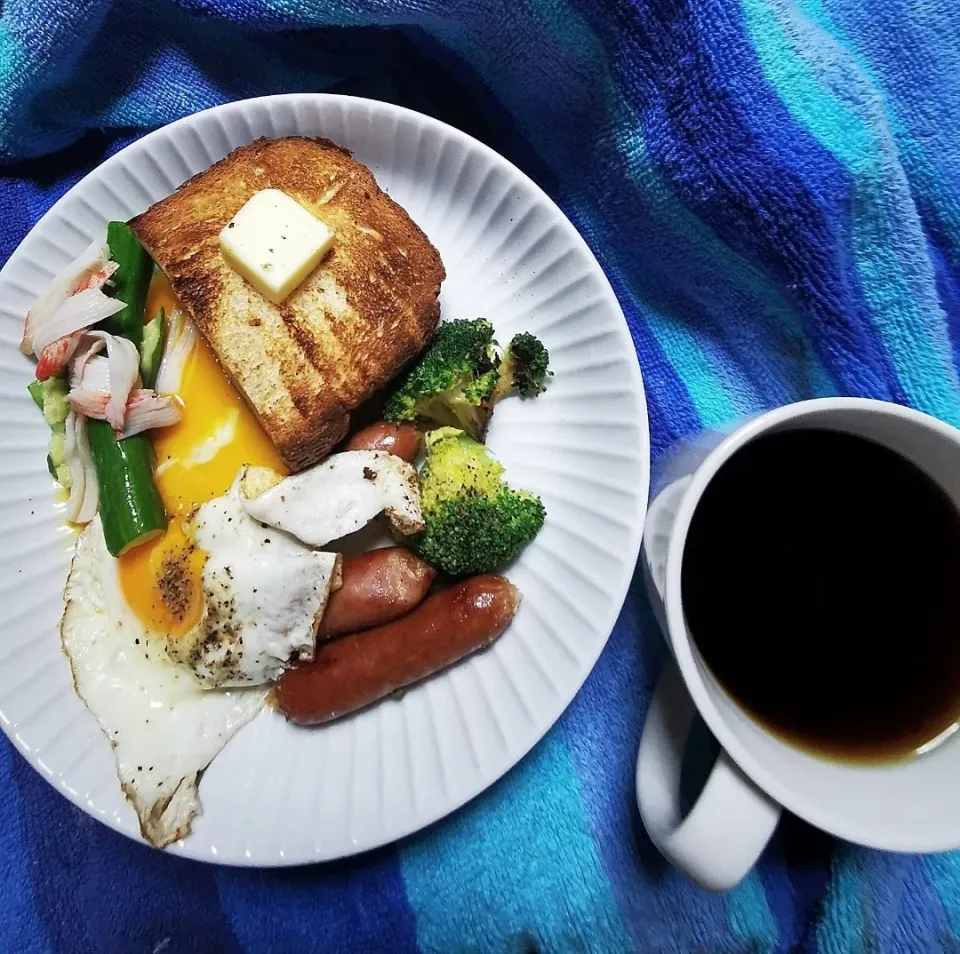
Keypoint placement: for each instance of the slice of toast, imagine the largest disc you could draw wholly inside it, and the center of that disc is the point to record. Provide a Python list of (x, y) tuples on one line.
[(369, 307)]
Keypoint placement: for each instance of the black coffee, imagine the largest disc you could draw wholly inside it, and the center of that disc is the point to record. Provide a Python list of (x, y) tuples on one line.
[(821, 584)]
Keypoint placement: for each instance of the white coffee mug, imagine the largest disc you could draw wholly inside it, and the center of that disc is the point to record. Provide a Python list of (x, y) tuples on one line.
[(911, 805)]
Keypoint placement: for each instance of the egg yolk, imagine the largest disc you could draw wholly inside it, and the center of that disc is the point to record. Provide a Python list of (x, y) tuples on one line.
[(197, 459)]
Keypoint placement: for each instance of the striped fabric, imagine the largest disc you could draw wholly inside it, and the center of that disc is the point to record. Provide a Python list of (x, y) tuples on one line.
[(771, 186)]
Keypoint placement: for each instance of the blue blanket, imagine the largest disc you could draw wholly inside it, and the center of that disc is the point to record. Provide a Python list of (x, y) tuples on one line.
[(771, 186)]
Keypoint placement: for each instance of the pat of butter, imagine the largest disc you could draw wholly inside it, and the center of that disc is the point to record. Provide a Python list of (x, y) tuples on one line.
[(274, 243)]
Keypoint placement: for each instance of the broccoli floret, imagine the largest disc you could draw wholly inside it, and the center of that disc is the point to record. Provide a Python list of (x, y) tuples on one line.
[(473, 522), (461, 376), (524, 368), (453, 383)]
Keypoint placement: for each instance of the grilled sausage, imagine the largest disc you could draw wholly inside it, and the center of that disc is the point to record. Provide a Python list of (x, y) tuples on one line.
[(350, 673), (378, 586), (403, 440)]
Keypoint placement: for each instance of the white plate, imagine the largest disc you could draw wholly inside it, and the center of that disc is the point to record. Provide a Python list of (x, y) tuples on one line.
[(281, 795)]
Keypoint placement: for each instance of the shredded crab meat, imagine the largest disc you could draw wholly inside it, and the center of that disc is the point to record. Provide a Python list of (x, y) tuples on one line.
[(124, 361), (145, 409), (82, 309), (90, 346), (115, 376), (98, 278), (94, 391), (56, 340), (93, 259), (55, 356)]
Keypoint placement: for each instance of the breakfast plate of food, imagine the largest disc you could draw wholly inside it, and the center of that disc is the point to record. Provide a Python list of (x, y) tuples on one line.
[(322, 479)]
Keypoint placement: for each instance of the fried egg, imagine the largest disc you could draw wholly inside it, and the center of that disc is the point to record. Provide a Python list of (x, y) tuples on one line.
[(264, 594), (164, 728)]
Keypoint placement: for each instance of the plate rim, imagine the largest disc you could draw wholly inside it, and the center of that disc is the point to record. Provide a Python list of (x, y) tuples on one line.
[(637, 519)]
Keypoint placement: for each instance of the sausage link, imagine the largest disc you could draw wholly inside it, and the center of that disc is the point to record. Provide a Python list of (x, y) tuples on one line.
[(403, 440), (348, 674), (378, 586)]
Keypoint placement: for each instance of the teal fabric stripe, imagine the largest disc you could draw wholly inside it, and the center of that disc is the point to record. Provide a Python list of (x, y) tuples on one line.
[(842, 926), (751, 919), (878, 901), (602, 729), (945, 871), (515, 857), (897, 278), (747, 308), (685, 352), (35, 56), (14, 60), (926, 51)]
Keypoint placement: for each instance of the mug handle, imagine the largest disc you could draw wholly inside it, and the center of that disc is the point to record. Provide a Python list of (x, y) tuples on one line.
[(731, 822)]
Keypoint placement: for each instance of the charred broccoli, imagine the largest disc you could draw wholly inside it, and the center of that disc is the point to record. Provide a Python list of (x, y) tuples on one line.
[(461, 376), (524, 367), (452, 384), (473, 522)]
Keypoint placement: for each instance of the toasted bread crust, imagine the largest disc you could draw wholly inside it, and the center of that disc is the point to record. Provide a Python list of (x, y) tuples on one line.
[(370, 306)]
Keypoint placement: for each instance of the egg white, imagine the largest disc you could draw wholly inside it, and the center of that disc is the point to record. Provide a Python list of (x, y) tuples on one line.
[(264, 595), (338, 496), (164, 728)]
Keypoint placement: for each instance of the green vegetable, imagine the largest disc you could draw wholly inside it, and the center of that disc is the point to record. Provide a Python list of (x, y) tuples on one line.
[(56, 407), (130, 281), (453, 383), (473, 522), (57, 456), (524, 368), (58, 447), (131, 510), (51, 397), (35, 388), (461, 377), (151, 349)]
